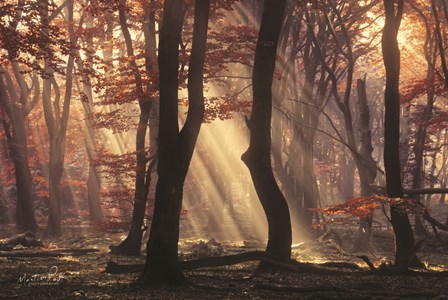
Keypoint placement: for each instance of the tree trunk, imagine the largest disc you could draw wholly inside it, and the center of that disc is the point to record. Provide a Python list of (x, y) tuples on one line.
[(55, 118), (258, 155), (55, 174), (175, 148), (366, 168), (132, 244), (404, 238), (18, 146), (93, 179), (440, 40), (24, 207), (308, 183), (419, 148)]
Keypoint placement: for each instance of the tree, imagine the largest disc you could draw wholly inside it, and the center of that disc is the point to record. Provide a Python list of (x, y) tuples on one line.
[(55, 117), (362, 158), (441, 42), (404, 239), (131, 245), (16, 108), (90, 134), (175, 148), (17, 99), (258, 155)]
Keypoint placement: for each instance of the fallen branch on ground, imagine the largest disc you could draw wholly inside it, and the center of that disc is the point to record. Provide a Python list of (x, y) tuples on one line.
[(47, 253), (26, 239)]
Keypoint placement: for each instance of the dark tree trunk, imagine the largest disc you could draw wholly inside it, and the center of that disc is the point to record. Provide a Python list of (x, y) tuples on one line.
[(132, 244), (404, 238), (440, 40), (175, 148), (258, 155)]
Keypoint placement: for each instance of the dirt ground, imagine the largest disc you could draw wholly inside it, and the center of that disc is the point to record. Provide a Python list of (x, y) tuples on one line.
[(77, 275)]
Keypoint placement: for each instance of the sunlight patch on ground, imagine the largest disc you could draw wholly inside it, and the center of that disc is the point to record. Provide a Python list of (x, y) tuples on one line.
[(69, 258), (436, 268)]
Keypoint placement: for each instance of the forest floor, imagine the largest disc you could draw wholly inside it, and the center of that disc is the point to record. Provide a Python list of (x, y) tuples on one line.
[(75, 274)]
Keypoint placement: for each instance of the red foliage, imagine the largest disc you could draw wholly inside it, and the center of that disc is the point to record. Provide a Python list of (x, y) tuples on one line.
[(420, 87), (363, 207), (111, 225)]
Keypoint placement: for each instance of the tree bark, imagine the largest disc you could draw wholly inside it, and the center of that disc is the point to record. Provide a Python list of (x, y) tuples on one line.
[(94, 178), (404, 238), (258, 155), (18, 145), (175, 148), (440, 40), (17, 107), (132, 244), (366, 168), (55, 118)]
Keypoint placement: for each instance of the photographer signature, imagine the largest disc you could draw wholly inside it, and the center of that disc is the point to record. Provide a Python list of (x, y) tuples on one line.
[(51, 278)]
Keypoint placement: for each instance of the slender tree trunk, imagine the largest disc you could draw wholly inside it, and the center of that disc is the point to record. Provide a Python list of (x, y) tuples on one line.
[(440, 40), (93, 179), (258, 155), (419, 148), (132, 244), (404, 238), (175, 148)]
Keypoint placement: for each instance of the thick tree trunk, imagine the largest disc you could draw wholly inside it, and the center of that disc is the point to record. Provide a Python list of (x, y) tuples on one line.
[(24, 183), (18, 146), (258, 155), (404, 238), (55, 174), (175, 148)]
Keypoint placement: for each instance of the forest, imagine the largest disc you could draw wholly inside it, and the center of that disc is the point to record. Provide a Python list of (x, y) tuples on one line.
[(233, 149)]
